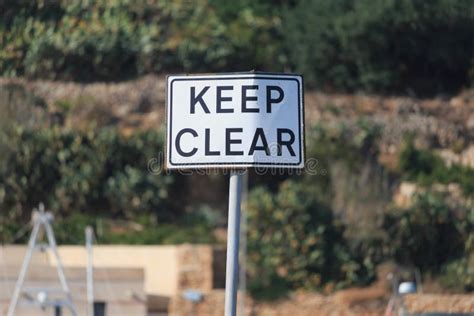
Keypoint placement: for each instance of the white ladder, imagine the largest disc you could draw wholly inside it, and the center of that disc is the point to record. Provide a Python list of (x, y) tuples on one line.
[(42, 219)]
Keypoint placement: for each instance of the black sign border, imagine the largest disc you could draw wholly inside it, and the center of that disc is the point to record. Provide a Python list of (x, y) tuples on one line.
[(223, 165)]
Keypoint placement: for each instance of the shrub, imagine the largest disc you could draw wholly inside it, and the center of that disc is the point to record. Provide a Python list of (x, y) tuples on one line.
[(459, 274), (17, 107), (71, 40), (166, 233), (382, 46), (115, 40), (429, 234), (143, 230), (96, 172), (387, 46), (294, 242), (426, 168)]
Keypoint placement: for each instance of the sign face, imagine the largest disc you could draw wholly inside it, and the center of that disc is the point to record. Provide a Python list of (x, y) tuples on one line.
[(235, 121)]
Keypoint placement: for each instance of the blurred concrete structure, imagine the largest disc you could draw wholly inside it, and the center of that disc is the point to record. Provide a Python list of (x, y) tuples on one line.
[(151, 281), (119, 291), (129, 280)]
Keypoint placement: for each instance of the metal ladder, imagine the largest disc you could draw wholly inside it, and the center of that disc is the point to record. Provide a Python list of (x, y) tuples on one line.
[(42, 220)]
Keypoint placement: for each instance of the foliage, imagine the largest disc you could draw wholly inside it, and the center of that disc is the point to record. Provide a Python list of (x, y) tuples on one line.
[(189, 229), (384, 46), (459, 274), (294, 241), (327, 146), (96, 172), (101, 178), (17, 106), (429, 234), (389, 45), (426, 168), (112, 40), (338, 141), (144, 230)]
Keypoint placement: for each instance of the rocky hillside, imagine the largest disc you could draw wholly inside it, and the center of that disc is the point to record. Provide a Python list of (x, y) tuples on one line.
[(443, 122)]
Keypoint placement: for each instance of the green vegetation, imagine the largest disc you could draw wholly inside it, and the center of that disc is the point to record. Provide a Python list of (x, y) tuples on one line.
[(144, 230), (458, 274), (299, 232), (426, 168), (388, 45), (99, 178), (113, 40), (296, 239), (429, 233), (432, 234), (95, 172), (436, 237), (293, 240)]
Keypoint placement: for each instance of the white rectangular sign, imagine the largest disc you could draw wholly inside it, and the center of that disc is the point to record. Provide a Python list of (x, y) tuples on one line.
[(235, 121)]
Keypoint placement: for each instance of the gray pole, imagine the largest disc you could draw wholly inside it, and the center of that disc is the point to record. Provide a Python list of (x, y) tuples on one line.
[(90, 271), (243, 246), (233, 236)]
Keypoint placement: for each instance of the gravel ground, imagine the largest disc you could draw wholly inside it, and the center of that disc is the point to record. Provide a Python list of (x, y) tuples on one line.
[(309, 304), (417, 303)]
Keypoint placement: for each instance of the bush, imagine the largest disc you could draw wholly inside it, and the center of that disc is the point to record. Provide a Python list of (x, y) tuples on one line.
[(115, 40), (147, 230), (429, 234), (389, 45), (294, 242), (97, 172), (426, 168), (143, 230), (459, 274), (17, 107)]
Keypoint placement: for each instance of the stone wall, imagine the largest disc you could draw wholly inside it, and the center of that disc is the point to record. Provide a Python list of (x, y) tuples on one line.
[(195, 267)]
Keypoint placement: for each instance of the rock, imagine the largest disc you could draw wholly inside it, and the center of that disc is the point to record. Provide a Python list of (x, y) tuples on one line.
[(467, 157), (449, 157), (470, 122), (403, 196), (457, 102)]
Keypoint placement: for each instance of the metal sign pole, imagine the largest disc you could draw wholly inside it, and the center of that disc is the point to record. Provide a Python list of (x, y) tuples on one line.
[(233, 236), (243, 246), (90, 271)]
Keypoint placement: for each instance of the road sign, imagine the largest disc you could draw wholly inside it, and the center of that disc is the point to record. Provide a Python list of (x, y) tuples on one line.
[(235, 121)]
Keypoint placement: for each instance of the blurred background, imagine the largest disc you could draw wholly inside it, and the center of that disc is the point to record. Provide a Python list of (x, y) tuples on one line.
[(388, 195)]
